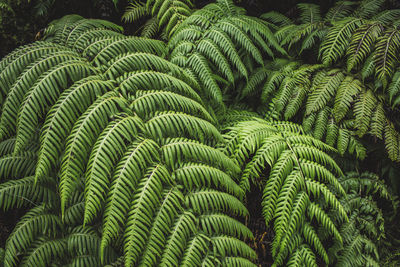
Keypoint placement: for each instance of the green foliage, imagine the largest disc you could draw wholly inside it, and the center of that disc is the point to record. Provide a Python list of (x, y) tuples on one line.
[(365, 231), (218, 45), (126, 144), (168, 15), (295, 193), (126, 150)]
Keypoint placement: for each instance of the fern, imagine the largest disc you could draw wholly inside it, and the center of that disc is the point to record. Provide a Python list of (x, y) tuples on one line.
[(220, 43), (130, 151), (337, 39), (365, 228), (386, 55), (362, 43), (138, 117), (298, 170)]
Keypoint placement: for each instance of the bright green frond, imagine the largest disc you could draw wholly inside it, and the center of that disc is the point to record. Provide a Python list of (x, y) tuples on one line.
[(108, 148), (337, 40), (362, 43), (386, 55), (43, 94), (62, 117), (25, 192), (82, 138)]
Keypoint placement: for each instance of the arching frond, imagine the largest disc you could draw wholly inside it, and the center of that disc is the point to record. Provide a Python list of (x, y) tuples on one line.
[(299, 170), (310, 13), (337, 40), (340, 10), (23, 84), (367, 8), (386, 55), (139, 155), (43, 94), (13, 65), (361, 44), (34, 223), (25, 192), (16, 166), (108, 148), (101, 50), (62, 117), (82, 138), (276, 18), (135, 11)]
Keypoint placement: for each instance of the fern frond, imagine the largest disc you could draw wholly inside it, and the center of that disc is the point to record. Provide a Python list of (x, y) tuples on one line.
[(44, 251), (276, 18), (182, 149), (392, 139), (181, 231), (12, 66), (310, 13), (135, 11), (106, 151), (386, 55), (362, 43), (149, 102), (226, 45), (134, 163), (368, 7), (70, 32), (61, 118), (43, 94), (143, 207), (140, 61), (25, 192), (35, 222), (25, 81), (132, 82), (208, 48), (7, 146), (199, 65), (337, 40), (300, 171), (340, 10), (363, 111), (324, 91), (82, 138), (16, 166), (80, 43), (348, 89), (202, 201), (221, 224), (387, 17), (101, 50)]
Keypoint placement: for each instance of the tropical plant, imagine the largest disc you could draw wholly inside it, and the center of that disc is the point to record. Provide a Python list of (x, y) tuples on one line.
[(337, 100), (364, 233), (138, 155), (295, 193), (124, 150)]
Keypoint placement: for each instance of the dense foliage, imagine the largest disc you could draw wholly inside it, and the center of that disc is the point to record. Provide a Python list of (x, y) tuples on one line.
[(165, 149)]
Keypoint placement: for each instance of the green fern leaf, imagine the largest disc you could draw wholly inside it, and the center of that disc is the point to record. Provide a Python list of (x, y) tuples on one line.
[(61, 118), (82, 138), (337, 40), (106, 151), (363, 109), (348, 89), (43, 94), (386, 55), (362, 43)]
